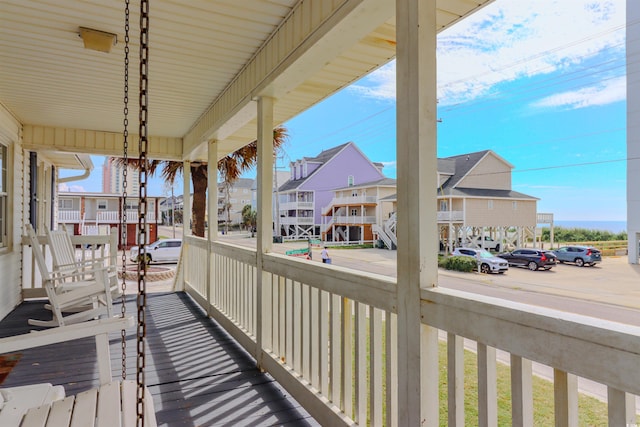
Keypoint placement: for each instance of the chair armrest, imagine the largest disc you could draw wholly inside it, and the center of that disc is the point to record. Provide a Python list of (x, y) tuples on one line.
[(64, 333)]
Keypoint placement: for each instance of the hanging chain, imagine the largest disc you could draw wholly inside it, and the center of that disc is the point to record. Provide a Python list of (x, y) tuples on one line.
[(123, 211), (142, 207)]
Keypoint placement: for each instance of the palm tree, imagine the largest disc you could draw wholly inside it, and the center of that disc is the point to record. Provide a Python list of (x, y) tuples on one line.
[(231, 167)]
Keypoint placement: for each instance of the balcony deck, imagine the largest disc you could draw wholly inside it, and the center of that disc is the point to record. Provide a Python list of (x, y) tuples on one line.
[(197, 373)]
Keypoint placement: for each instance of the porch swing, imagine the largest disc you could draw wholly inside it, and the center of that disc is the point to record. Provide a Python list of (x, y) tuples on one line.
[(114, 403)]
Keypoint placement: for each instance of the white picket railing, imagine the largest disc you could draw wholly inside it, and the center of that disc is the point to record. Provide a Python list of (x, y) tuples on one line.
[(325, 333)]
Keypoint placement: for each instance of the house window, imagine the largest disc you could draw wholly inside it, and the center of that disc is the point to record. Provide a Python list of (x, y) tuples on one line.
[(354, 212), (490, 205), (102, 205), (443, 206), (232, 201), (514, 205), (4, 196), (354, 193), (350, 180), (65, 204)]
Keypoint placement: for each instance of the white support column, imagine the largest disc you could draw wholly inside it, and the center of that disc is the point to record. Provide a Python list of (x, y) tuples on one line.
[(186, 199), (212, 212), (633, 132), (417, 217), (265, 232)]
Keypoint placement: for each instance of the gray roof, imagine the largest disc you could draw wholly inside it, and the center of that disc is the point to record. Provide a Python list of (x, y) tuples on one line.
[(484, 193), (321, 158), (462, 164)]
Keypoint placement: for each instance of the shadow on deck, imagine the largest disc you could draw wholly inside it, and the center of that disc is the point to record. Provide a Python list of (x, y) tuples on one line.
[(198, 375)]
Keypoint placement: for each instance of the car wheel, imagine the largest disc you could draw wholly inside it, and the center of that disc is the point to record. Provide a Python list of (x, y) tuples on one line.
[(579, 262), (532, 266), (484, 268), (560, 261)]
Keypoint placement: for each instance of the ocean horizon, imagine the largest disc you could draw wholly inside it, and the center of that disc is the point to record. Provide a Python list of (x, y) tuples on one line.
[(612, 226)]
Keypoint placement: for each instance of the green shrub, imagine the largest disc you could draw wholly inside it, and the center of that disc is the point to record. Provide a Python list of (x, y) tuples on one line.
[(458, 263)]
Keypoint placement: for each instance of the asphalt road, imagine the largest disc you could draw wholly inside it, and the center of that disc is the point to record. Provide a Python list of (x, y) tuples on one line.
[(610, 290)]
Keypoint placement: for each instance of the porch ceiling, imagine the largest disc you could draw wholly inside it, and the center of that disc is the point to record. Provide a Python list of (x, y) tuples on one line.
[(198, 49)]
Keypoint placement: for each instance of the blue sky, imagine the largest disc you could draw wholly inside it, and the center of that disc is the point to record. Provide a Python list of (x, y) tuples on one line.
[(541, 83)]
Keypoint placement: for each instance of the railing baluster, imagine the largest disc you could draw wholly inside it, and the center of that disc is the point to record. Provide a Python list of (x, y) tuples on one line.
[(622, 408), (335, 362), (391, 395), (314, 379), (297, 327), (289, 319), (306, 332), (361, 364), (347, 357), (375, 371), (455, 379), (521, 392), (324, 342), (487, 386), (565, 395), (282, 318)]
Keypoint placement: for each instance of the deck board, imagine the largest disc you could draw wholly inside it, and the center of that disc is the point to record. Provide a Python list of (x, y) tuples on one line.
[(198, 375)]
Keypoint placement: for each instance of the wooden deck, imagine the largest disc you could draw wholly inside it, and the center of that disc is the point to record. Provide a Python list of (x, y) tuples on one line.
[(198, 375)]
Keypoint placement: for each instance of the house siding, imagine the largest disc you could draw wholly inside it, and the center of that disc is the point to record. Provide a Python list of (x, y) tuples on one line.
[(334, 174), (502, 214), (490, 173), (10, 256)]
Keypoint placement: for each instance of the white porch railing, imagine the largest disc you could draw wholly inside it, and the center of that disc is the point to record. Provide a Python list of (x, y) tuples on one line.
[(450, 215), (102, 247), (355, 200), (68, 216), (325, 332), (286, 206), (293, 220), (113, 217)]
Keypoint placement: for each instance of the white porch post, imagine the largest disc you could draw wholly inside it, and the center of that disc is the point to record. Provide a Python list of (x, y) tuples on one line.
[(417, 217), (633, 133), (212, 212), (186, 199), (264, 220)]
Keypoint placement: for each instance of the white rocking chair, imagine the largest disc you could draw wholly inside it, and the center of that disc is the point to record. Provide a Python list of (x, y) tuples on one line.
[(111, 404), (63, 254), (66, 295)]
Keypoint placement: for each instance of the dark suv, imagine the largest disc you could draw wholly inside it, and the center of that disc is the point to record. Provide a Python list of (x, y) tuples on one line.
[(533, 259)]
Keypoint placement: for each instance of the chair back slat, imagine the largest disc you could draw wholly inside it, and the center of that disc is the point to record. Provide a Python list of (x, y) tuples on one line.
[(37, 253)]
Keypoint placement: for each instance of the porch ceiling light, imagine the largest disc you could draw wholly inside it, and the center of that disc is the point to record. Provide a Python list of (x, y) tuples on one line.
[(98, 40)]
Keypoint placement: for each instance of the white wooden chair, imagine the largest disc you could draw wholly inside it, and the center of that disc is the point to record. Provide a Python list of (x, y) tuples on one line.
[(63, 254), (111, 404), (66, 296)]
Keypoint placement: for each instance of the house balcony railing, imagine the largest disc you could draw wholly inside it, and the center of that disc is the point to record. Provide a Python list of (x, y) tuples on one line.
[(68, 216), (293, 220), (325, 333), (353, 200), (102, 217), (445, 216), (347, 220), (292, 206), (113, 217)]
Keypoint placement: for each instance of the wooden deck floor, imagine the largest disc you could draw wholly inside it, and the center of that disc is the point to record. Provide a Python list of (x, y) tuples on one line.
[(197, 374)]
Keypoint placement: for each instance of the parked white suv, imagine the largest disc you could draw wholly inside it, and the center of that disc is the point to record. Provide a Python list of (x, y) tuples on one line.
[(487, 263), (158, 251), (488, 243)]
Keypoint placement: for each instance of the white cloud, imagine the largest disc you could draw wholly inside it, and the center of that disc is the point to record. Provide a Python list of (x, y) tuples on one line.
[(600, 94), (71, 188), (509, 40)]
